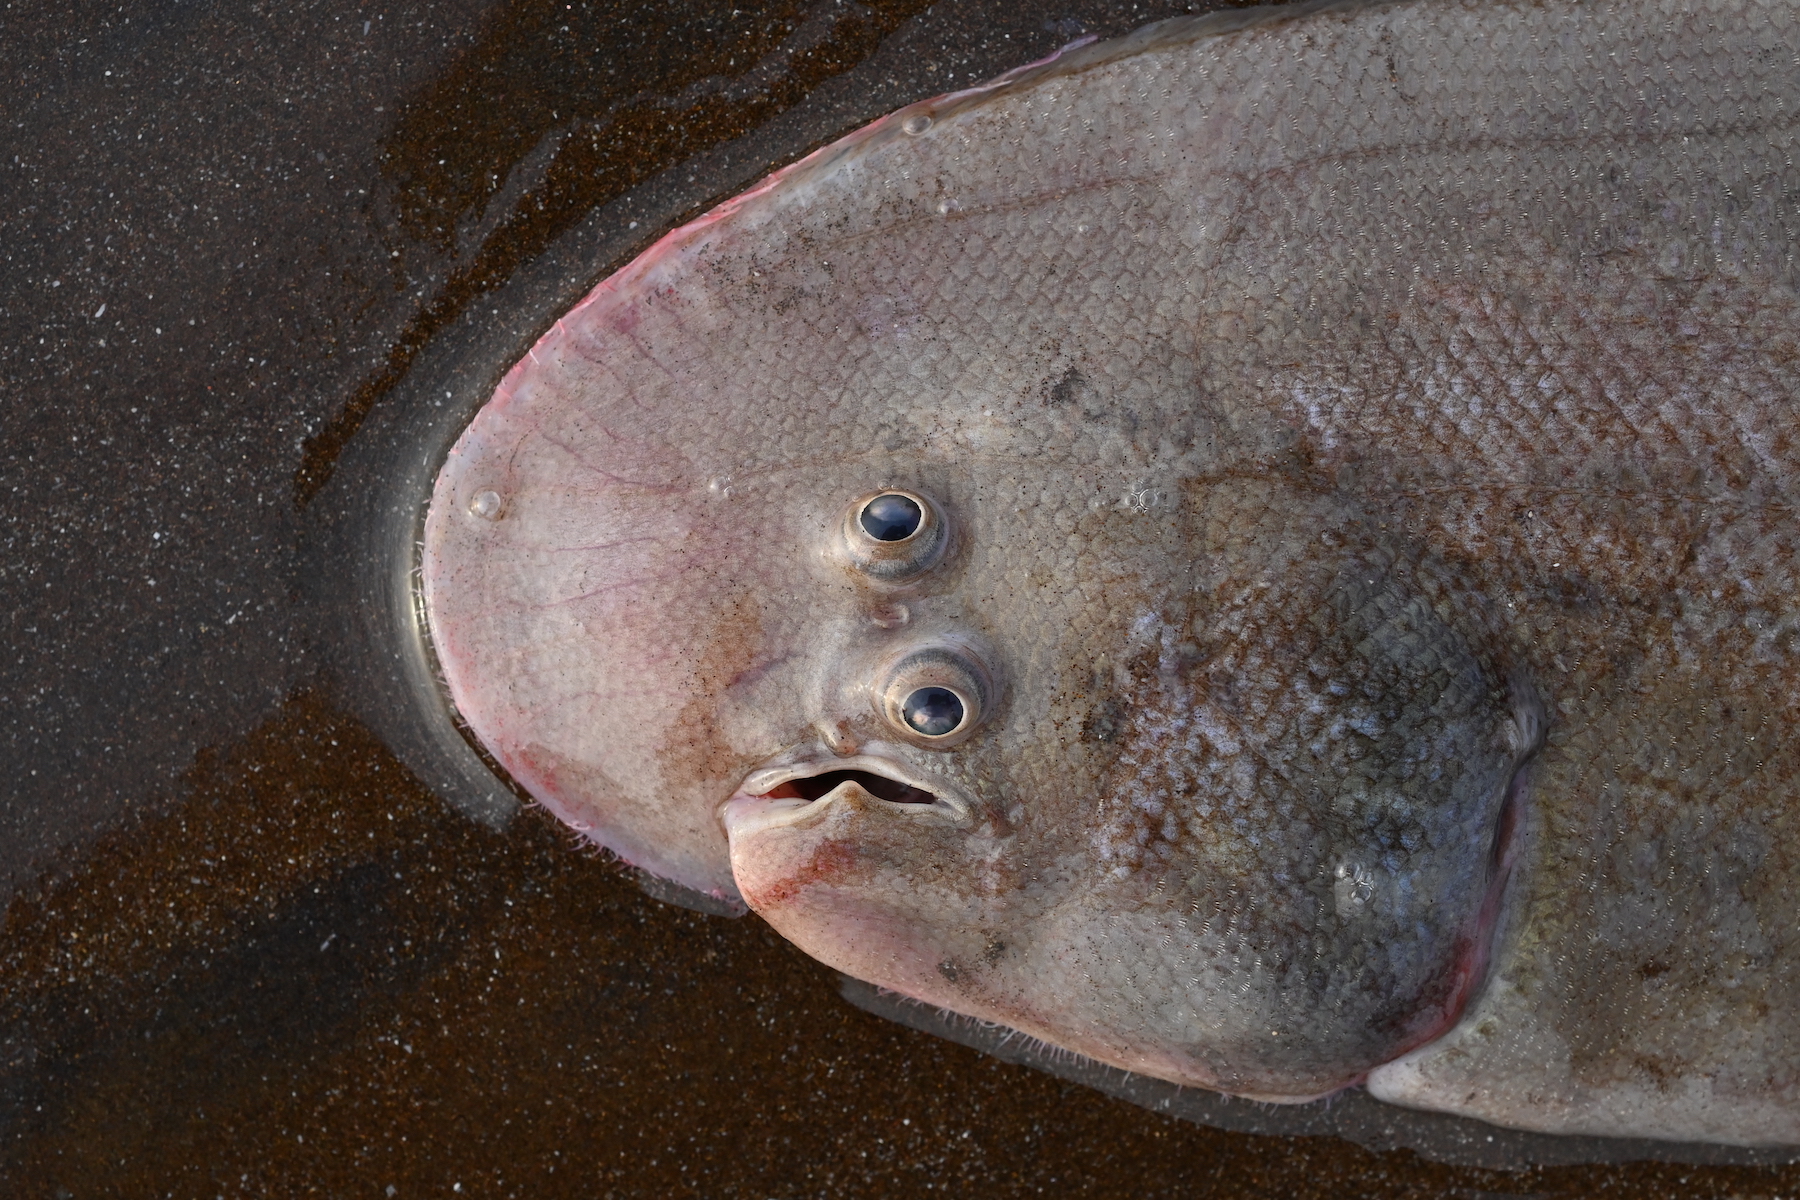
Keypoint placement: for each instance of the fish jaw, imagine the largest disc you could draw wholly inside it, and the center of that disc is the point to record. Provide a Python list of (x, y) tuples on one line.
[(818, 869)]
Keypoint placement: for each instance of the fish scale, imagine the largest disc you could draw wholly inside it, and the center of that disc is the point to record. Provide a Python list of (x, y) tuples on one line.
[(1367, 439)]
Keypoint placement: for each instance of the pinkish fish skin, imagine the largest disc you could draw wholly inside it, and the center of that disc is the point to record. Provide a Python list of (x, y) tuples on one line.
[(1365, 449)]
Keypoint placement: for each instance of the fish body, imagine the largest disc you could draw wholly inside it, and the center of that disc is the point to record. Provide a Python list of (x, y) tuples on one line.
[(1339, 621)]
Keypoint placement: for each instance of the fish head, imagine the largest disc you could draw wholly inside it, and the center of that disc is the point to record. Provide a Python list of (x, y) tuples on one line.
[(631, 634), (634, 616)]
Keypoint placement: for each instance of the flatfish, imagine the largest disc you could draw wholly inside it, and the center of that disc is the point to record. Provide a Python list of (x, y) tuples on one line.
[(1262, 553)]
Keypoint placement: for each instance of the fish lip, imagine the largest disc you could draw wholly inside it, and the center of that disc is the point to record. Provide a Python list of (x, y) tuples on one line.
[(752, 808)]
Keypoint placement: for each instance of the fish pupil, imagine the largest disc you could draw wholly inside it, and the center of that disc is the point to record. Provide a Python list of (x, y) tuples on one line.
[(933, 711), (891, 517)]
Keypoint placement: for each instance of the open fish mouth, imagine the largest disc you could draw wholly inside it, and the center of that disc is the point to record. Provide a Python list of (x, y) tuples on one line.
[(785, 794), (817, 787)]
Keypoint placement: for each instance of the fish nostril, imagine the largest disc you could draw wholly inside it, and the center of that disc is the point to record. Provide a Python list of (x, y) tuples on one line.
[(891, 517), (486, 505)]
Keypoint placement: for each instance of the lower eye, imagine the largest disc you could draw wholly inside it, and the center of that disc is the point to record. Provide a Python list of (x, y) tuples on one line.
[(933, 711), (937, 694)]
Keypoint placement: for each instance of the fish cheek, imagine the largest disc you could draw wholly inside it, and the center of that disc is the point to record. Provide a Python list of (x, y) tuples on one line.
[(696, 757)]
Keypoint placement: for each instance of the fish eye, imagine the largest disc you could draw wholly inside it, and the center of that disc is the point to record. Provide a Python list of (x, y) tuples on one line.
[(892, 536), (935, 696), (891, 517)]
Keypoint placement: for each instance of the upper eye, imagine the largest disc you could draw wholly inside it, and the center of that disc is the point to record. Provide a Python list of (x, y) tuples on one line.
[(893, 535), (936, 696)]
